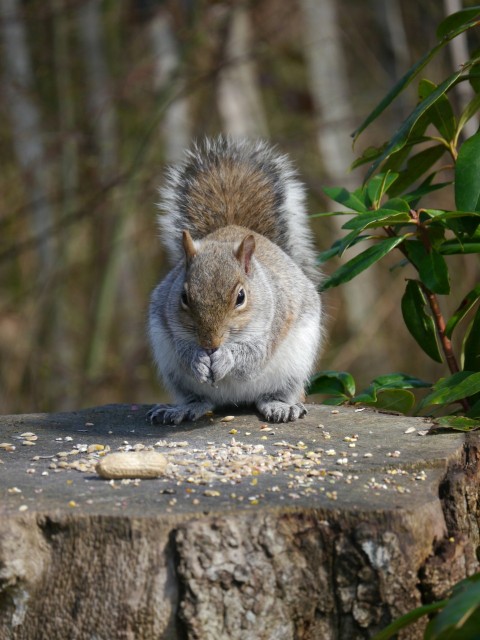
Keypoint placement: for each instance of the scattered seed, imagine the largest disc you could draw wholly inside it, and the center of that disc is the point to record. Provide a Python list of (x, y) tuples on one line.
[(23, 507), (227, 419), (92, 448), (410, 430)]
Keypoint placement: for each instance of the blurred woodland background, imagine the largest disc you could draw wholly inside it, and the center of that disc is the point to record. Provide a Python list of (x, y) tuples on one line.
[(96, 97)]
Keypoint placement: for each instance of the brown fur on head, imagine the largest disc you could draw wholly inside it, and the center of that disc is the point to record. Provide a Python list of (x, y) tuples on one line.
[(217, 289)]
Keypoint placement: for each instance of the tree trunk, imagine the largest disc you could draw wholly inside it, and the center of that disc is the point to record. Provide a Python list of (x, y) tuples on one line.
[(329, 85), (238, 94), (27, 130), (459, 54), (176, 123)]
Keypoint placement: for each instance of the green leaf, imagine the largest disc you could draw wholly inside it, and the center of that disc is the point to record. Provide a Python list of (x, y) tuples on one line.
[(329, 214), (396, 204), (471, 346), (413, 72), (408, 619), (404, 81), (454, 615), (441, 113), (431, 266), (335, 401), (341, 195), (339, 246), (457, 423), (467, 175), (424, 189), (454, 247), (400, 381), (332, 382), (396, 160), (401, 137), (369, 155), (417, 165), (361, 262), (470, 110), (474, 411), (379, 185), (466, 18), (463, 308), (440, 214), (474, 75), (456, 387), (399, 400), (367, 396), (379, 218), (418, 321)]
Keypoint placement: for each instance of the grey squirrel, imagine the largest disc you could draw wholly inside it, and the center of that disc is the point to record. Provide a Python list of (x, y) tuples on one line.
[(238, 318)]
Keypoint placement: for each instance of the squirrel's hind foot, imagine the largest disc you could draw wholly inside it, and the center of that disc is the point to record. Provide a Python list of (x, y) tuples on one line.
[(277, 411), (175, 414)]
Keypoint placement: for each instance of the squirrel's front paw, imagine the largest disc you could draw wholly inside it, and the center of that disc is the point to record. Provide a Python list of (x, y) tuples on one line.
[(277, 411), (175, 414), (222, 362), (201, 367)]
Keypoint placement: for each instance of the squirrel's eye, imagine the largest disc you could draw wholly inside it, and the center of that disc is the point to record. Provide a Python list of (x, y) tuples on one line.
[(240, 298), (184, 299)]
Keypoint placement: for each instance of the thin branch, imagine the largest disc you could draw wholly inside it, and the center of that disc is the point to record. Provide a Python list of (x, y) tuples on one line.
[(437, 315)]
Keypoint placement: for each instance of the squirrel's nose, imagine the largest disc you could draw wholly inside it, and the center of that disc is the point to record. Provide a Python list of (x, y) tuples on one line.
[(210, 343)]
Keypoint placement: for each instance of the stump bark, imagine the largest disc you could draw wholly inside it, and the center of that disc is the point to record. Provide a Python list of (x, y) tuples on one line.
[(327, 528)]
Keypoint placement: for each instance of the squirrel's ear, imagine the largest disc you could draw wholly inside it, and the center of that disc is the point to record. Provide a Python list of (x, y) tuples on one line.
[(188, 246), (245, 251)]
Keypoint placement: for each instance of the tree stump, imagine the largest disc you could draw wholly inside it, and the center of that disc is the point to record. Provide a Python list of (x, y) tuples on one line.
[(327, 528)]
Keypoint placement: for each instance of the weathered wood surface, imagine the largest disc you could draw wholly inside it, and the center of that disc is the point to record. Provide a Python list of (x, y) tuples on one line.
[(303, 544)]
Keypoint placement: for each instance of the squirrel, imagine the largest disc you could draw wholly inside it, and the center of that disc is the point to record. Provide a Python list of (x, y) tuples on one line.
[(237, 321)]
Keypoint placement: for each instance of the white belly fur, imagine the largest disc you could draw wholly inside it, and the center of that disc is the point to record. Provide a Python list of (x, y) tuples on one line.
[(293, 359)]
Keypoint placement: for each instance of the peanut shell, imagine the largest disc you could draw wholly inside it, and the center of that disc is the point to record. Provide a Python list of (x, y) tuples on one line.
[(132, 464)]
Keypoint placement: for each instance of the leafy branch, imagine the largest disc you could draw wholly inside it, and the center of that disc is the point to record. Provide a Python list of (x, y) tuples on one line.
[(387, 212)]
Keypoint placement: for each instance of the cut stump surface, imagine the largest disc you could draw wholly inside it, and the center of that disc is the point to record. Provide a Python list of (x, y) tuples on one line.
[(327, 528)]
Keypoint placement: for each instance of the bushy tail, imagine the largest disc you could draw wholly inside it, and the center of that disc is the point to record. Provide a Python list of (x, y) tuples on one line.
[(225, 182)]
